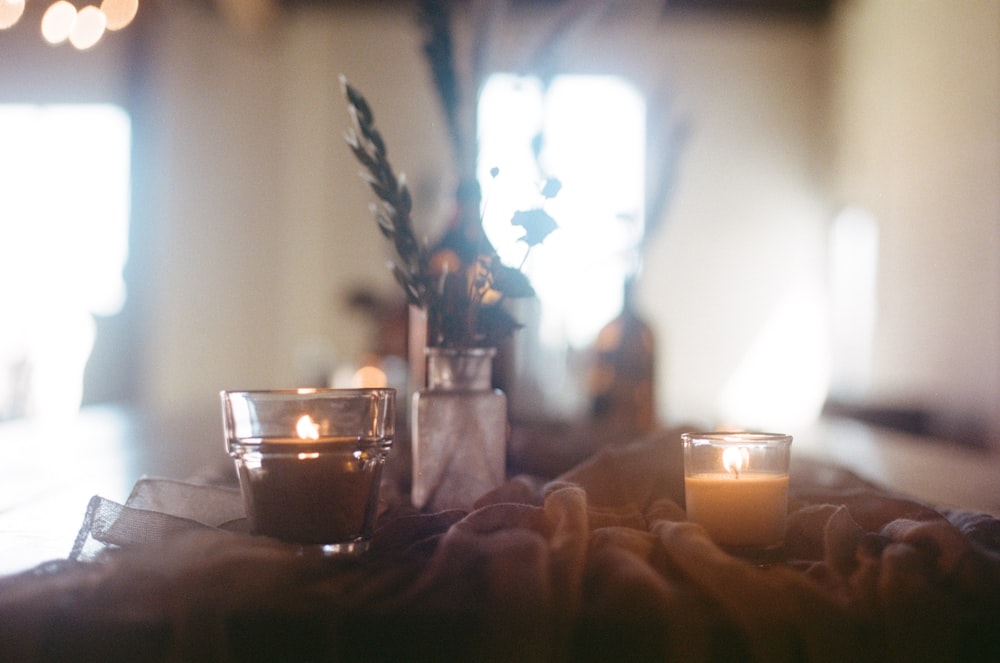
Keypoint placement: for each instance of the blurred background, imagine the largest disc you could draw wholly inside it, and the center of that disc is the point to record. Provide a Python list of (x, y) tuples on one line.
[(804, 195)]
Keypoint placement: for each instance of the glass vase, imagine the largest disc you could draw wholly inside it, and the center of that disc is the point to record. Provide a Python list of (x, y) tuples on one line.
[(459, 430)]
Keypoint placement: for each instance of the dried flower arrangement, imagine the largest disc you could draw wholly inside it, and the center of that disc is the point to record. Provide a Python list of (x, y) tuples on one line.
[(464, 300)]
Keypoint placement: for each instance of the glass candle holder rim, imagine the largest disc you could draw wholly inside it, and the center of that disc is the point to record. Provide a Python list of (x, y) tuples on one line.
[(475, 351), (250, 417), (737, 438), (311, 391)]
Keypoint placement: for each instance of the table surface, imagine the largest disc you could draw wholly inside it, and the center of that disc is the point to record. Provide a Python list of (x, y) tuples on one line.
[(53, 468)]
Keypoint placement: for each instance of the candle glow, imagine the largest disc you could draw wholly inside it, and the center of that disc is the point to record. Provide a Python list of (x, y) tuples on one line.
[(309, 462), (306, 428), (736, 487), (736, 460)]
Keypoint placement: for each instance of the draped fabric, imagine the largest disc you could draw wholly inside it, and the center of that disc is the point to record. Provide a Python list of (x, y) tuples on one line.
[(598, 564)]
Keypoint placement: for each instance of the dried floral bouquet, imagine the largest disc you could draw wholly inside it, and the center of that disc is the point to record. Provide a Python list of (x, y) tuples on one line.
[(464, 301)]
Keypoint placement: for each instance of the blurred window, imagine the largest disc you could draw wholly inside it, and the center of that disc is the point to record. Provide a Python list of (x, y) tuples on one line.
[(590, 133), (64, 210)]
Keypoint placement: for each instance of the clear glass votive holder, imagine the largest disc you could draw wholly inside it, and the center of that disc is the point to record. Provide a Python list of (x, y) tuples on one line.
[(310, 461), (736, 487)]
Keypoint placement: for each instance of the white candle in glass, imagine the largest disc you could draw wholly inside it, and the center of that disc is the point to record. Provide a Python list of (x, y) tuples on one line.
[(738, 504)]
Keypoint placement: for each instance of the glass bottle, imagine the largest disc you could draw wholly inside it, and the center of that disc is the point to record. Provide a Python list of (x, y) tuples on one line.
[(459, 430), (621, 381)]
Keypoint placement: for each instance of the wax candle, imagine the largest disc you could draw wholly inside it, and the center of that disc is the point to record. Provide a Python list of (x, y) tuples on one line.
[(736, 486), (310, 462), (312, 491), (744, 510)]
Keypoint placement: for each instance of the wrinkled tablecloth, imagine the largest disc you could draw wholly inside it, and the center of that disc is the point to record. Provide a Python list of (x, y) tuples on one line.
[(598, 564)]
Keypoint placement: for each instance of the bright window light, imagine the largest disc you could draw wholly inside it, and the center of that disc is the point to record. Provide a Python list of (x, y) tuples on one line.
[(64, 209), (589, 132), (853, 284), (781, 380)]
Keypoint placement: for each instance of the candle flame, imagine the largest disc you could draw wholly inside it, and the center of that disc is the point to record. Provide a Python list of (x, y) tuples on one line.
[(307, 428), (736, 460)]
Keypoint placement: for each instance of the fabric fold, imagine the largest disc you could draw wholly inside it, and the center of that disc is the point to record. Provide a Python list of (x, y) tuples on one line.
[(597, 564)]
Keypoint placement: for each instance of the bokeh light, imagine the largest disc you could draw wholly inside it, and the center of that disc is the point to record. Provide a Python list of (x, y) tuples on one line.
[(88, 27), (10, 12), (119, 12), (57, 22)]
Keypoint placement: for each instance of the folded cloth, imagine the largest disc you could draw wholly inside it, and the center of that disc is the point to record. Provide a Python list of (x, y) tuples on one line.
[(155, 510), (597, 564)]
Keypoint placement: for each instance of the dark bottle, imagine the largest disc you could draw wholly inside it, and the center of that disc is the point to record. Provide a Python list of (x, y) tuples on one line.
[(622, 376)]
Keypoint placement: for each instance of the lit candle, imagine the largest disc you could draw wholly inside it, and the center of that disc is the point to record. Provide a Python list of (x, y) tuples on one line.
[(736, 486), (310, 462), (306, 428)]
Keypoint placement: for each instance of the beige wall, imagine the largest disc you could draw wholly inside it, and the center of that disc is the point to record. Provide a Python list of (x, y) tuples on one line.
[(918, 129), (271, 227), (264, 220), (256, 224), (743, 242)]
